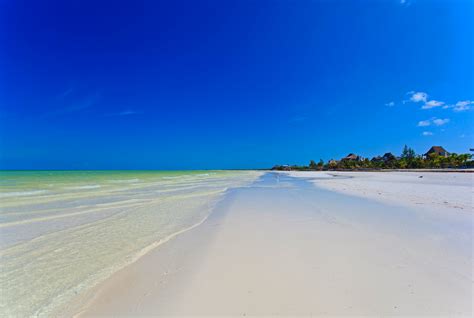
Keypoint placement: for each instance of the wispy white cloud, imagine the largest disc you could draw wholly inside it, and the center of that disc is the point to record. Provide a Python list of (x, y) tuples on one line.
[(127, 112), (65, 93), (75, 106), (432, 104), (422, 97), (433, 121), (81, 105), (390, 104), (463, 105), (440, 122), (417, 97), (297, 118), (424, 123)]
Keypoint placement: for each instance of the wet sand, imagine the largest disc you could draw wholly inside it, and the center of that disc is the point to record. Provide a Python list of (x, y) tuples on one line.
[(284, 246)]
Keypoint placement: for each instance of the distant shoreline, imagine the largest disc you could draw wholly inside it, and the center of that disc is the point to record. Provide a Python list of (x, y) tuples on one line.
[(467, 170)]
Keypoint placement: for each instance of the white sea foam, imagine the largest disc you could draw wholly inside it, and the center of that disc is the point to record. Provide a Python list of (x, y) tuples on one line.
[(22, 193), (85, 187), (124, 180)]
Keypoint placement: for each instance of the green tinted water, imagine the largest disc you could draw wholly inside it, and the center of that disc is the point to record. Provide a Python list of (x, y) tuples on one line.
[(62, 232)]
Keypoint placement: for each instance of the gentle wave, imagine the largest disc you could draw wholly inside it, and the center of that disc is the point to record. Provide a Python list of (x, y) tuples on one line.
[(85, 187), (22, 193), (125, 181)]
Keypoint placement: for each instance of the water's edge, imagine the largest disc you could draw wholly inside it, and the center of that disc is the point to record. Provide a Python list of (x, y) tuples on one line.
[(98, 228)]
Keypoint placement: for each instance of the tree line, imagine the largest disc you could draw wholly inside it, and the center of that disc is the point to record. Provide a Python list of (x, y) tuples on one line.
[(407, 160)]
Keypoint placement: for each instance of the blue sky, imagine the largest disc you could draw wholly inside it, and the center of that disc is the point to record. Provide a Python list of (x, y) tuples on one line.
[(230, 84)]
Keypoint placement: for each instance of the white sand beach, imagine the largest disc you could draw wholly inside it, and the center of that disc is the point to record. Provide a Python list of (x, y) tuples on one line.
[(441, 191), (375, 244)]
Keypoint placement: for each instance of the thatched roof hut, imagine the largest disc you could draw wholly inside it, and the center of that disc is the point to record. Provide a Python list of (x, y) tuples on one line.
[(351, 156), (438, 150)]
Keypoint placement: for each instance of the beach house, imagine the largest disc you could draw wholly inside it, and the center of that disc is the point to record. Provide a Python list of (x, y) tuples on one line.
[(437, 150), (377, 159), (352, 157), (388, 157)]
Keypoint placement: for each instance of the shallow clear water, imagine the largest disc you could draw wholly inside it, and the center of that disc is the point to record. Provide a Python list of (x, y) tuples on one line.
[(62, 232)]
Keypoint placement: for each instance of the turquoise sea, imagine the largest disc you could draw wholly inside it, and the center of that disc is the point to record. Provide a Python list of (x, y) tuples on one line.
[(63, 232)]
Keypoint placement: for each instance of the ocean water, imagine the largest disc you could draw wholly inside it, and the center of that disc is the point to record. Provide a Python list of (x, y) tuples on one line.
[(63, 232)]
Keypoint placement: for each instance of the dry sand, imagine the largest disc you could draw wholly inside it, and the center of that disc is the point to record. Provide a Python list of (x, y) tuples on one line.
[(442, 191), (286, 247)]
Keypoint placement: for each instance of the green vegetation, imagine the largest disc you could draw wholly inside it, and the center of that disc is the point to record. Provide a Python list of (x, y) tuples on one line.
[(407, 160)]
